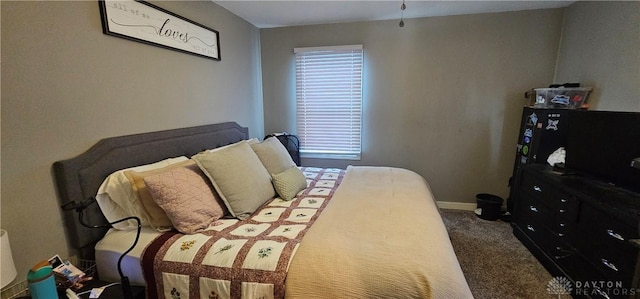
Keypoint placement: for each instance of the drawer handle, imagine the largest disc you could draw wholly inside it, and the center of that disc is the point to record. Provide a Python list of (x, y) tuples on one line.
[(562, 225), (565, 253), (610, 265), (534, 209), (614, 235), (562, 210), (537, 189), (529, 227), (562, 200), (561, 235)]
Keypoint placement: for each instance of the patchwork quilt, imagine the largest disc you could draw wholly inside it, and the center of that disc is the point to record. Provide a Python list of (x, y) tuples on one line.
[(239, 259)]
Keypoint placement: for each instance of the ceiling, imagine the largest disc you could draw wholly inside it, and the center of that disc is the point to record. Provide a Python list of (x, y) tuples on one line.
[(269, 14)]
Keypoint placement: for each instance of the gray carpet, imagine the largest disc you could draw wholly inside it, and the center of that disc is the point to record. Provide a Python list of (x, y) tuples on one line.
[(494, 262)]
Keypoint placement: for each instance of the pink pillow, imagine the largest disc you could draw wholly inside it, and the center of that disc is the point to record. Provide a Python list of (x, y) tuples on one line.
[(187, 197)]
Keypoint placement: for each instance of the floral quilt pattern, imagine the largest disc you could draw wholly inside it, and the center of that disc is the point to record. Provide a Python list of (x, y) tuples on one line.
[(239, 259)]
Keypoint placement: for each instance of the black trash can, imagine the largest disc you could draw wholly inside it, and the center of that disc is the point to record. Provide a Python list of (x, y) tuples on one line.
[(488, 206)]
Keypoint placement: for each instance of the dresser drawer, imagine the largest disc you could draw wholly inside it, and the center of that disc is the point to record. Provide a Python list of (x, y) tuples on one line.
[(535, 187), (601, 230), (535, 210), (614, 263), (558, 249), (560, 202), (539, 234), (605, 244), (563, 228), (566, 205)]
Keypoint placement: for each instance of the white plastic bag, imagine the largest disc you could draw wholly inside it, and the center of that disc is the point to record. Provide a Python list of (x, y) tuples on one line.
[(557, 156)]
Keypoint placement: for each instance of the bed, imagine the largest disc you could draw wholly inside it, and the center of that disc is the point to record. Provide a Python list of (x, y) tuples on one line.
[(360, 232)]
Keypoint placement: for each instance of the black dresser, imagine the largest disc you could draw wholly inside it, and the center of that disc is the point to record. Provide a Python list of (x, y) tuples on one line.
[(580, 228)]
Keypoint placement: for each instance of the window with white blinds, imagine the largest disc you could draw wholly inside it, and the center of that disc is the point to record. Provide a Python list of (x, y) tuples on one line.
[(329, 101)]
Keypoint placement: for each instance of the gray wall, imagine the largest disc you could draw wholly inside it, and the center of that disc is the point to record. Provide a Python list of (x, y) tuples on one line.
[(442, 96), (601, 48), (66, 85)]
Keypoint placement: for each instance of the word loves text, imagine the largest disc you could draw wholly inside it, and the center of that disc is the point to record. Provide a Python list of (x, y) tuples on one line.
[(176, 35), (164, 30)]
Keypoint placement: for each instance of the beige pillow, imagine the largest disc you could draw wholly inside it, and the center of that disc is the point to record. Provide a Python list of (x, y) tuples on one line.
[(289, 182), (273, 155), (249, 141), (239, 177), (117, 199), (158, 219), (187, 198)]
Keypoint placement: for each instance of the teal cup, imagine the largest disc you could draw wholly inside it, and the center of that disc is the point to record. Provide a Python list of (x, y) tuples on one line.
[(42, 284)]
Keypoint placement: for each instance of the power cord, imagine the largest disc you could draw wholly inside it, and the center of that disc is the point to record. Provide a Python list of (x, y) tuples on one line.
[(79, 208)]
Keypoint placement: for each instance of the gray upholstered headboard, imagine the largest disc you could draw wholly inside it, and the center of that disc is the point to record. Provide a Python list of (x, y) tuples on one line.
[(79, 178)]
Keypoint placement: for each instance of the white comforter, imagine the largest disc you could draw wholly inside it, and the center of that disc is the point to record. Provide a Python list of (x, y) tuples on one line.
[(381, 236)]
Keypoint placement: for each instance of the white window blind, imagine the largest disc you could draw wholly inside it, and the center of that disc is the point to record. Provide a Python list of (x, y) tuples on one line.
[(329, 101)]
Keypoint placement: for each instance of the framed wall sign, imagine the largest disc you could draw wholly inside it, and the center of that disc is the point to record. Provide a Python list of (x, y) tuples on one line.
[(144, 22)]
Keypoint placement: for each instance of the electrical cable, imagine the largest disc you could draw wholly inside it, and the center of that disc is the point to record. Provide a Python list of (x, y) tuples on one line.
[(79, 208)]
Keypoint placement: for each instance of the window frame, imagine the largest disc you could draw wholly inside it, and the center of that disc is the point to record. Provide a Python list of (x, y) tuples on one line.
[(353, 140)]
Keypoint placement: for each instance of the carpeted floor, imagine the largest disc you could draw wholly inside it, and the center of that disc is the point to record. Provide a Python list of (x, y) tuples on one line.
[(494, 262)]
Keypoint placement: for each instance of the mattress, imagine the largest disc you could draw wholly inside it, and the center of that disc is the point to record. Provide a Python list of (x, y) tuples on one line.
[(109, 249)]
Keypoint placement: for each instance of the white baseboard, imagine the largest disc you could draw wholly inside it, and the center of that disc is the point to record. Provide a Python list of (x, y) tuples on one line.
[(450, 205)]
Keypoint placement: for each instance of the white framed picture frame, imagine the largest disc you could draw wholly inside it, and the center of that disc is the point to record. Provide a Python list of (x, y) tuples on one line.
[(147, 23)]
